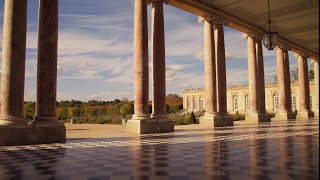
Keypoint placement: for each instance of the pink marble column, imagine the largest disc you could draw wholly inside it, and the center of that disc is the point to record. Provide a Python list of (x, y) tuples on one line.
[(47, 62), (220, 69), (209, 69), (140, 71), (316, 83), (284, 89), (253, 76), (13, 62), (260, 73), (303, 81), (158, 61)]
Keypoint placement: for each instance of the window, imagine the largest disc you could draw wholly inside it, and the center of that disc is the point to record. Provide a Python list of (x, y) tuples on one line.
[(188, 104), (311, 101), (195, 105), (235, 103), (201, 104), (275, 102), (247, 102), (293, 101)]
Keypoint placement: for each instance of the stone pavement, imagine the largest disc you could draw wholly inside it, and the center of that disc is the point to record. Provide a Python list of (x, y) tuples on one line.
[(276, 150)]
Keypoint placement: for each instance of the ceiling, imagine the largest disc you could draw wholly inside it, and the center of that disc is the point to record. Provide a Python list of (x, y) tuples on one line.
[(296, 21)]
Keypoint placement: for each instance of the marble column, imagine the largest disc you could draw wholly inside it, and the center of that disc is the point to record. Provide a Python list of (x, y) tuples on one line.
[(158, 61), (47, 62), (220, 70), (304, 92), (13, 62), (316, 83), (141, 123), (209, 69), (284, 85), (141, 71), (215, 75), (256, 82)]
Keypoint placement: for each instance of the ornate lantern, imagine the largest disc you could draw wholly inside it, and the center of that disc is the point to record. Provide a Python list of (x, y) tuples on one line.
[(270, 39)]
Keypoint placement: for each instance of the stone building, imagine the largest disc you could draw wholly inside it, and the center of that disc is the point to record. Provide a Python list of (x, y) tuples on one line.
[(238, 98)]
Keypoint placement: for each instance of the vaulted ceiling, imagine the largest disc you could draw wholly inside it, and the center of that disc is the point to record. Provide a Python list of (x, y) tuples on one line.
[(296, 21)]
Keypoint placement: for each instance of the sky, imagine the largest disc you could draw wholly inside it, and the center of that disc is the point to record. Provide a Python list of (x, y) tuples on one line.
[(95, 51)]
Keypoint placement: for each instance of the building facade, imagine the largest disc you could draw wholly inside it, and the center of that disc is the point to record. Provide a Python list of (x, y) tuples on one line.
[(238, 99)]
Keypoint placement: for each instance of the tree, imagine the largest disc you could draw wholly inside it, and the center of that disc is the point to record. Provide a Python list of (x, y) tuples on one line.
[(124, 99), (126, 109), (62, 112), (192, 118), (173, 100), (294, 74), (29, 109)]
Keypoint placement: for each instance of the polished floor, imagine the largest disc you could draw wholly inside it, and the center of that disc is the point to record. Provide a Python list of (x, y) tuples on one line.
[(277, 150)]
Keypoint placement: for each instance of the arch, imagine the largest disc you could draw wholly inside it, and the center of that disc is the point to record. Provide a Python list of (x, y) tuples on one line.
[(235, 102)]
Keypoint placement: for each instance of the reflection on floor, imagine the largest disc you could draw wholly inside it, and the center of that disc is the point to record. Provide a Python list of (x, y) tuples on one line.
[(277, 150)]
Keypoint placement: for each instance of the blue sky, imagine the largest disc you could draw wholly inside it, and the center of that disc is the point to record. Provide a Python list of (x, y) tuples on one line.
[(96, 45)]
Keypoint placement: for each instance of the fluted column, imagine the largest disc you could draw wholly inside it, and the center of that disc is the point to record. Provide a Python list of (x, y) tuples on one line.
[(220, 69), (304, 91), (13, 62), (209, 69), (141, 72), (158, 61), (253, 76), (47, 62), (284, 85), (316, 83)]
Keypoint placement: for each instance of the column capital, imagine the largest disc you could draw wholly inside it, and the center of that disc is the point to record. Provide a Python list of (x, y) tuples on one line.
[(283, 46), (212, 18), (302, 54), (164, 1), (252, 34)]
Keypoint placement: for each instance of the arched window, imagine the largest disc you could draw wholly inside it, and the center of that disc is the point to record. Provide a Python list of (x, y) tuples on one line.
[(293, 101), (235, 103), (195, 104), (275, 101), (311, 102), (201, 104), (188, 104), (247, 98)]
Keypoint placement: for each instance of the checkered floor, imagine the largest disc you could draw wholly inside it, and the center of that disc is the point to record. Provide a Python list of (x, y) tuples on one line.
[(277, 150)]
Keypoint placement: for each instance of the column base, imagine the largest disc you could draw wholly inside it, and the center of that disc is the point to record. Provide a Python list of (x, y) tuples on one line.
[(304, 114), (254, 118), (151, 125), (212, 120), (11, 135), (11, 120), (285, 115)]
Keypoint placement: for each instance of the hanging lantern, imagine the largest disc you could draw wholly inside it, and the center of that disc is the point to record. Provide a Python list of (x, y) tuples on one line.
[(270, 39)]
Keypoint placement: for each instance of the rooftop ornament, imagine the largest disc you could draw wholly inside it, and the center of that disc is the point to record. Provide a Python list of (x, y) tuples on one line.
[(270, 39)]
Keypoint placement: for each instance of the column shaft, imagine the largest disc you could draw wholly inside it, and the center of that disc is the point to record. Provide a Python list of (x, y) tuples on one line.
[(220, 70), (158, 60), (209, 69), (141, 71), (303, 84), (316, 83), (260, 73), (13, 61), (283, 75), (253, 75), (47, 62)]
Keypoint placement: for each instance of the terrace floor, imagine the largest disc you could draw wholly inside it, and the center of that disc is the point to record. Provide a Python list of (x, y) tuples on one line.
[(277, 150)]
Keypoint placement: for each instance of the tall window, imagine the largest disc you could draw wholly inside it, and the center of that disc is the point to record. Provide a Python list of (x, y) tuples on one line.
[(201, 104), (188, 104), (275, 101), (247, 102), (235, 103), (293, 101), (311, 101), (195, 105)]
